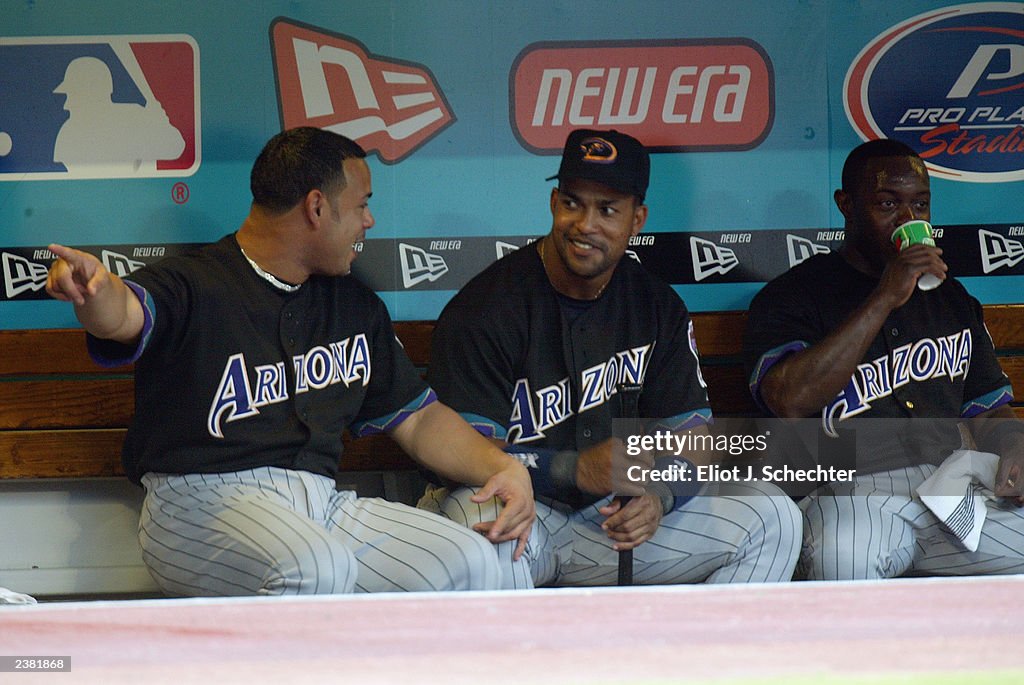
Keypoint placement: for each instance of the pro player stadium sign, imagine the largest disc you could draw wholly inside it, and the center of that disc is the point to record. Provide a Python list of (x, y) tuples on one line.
[(949, 83), (677, 95)]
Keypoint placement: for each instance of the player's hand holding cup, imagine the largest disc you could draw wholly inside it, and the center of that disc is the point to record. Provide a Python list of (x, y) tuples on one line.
[(917, 231)]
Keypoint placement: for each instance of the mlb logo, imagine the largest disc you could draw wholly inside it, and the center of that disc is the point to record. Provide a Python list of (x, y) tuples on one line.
[(99, 107)]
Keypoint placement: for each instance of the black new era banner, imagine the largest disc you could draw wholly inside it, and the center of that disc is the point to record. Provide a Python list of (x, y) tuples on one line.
[(25, 268), (679, 258)]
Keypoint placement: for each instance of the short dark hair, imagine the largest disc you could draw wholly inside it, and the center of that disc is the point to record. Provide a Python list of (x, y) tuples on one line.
[(857, 160), (299, 160)]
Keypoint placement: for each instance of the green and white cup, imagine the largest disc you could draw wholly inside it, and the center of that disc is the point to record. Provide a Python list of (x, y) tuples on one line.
[(913, 233)]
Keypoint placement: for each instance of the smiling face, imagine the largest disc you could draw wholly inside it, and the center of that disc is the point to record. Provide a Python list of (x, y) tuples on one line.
[(888, 192), (590, 231), (346, 220)]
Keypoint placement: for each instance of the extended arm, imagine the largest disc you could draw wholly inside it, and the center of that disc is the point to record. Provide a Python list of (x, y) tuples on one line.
[(104, 305)]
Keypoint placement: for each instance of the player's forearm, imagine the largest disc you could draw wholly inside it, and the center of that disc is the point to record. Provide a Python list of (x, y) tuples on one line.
[(113, 313), (997, 430), (439, 439), (804, 382)]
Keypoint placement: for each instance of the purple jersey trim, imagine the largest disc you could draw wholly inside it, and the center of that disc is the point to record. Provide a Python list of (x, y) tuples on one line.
[(392, 420), (699, 417), (766, 362), (101, 351), (978, 405)]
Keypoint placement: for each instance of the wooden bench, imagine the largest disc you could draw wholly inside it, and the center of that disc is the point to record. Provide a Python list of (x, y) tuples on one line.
[(61, 416)]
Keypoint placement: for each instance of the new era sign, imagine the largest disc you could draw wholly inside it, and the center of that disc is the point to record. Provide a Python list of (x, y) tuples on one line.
[(331, 81)]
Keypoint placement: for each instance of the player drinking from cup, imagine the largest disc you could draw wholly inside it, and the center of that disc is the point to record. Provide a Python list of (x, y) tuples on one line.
[(890, 369)]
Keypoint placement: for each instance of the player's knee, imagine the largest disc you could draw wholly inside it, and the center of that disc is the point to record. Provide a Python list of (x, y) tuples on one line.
[(485, 572), (460, 508), (474, 567), (775, 514), (836, 548), (320, 569)]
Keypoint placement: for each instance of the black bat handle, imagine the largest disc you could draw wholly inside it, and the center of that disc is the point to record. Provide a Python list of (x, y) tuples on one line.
[(629, 399), (625, 557)]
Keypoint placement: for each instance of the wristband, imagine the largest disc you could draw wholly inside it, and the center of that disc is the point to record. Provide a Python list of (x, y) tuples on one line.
[(679, 483), (552, 472), (994, 437), (664, 493)]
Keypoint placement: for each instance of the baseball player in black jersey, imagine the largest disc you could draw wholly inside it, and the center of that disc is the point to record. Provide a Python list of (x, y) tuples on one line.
[(849, 338), (252, 355), (541, 350)]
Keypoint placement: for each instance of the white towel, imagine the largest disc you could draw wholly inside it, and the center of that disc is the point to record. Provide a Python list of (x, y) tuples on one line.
[(957, 491), (11, 597)]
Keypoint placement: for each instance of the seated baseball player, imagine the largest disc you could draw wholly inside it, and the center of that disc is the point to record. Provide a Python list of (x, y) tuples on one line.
[(889, 370), (252, 355), (549, 345)]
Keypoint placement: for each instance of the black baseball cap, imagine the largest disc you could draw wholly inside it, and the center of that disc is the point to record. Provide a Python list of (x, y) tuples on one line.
[(610, 158)]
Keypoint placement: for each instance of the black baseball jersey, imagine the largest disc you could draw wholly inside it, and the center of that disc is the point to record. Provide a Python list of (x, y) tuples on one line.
[(933, 359), (233, 373), (508, 359)]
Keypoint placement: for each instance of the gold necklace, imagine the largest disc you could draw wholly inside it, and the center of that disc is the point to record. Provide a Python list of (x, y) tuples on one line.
[(544, 263)]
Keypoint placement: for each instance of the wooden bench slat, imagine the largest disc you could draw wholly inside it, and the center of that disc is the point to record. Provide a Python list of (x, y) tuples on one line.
[(728, 391), (1005, 324), (61, 416), (1014, 369), (100, 403), (61, 454), (81, 453), (719, 334), (50, 351)]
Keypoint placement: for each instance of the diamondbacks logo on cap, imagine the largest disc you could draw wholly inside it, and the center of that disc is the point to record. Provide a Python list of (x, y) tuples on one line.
[(710, 259), (948, 83), (418, 265), (998, 252), (599, 151), (331, 81), (800, 249), (22, 275), (99, 107)]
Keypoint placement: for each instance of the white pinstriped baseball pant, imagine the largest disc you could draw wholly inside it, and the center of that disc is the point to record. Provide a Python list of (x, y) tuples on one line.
[(275, 531), (730, 533), (877, 527)]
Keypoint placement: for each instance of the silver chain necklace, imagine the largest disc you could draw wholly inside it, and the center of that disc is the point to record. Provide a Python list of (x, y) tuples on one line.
[(269, 277)]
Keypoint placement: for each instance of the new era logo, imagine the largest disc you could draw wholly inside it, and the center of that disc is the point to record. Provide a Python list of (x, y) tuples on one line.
[(801, 248), (119, 264), (419, 265), (99, 107), (998, 252), (710, 259), (675, 95), (329, 80), (503, 249), (22, 275)]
